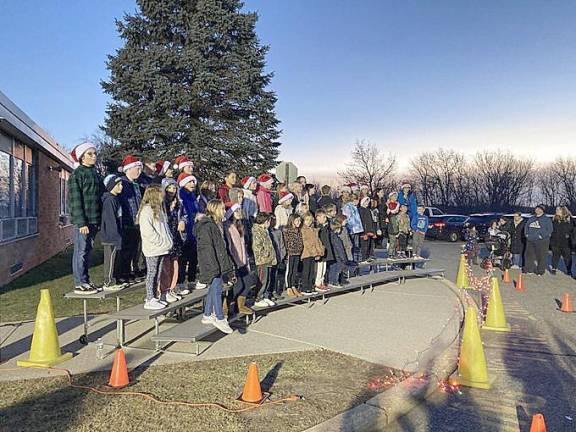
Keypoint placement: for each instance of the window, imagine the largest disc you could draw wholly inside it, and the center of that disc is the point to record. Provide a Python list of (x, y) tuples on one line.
[(64, 176), (18, 189)]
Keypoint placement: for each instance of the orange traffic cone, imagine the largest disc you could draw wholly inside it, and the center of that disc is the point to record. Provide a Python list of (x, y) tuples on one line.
[(567, 303), (252, 392), (519, 283), (506, 277), (119, 374), (538, 424)]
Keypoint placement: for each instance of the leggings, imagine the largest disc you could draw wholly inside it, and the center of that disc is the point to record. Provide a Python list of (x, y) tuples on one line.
[(292, 271), (308, 274), (564, 252), (188, 262), (153, 267)]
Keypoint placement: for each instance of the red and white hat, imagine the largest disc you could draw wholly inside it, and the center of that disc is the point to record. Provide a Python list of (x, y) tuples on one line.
[(182, 161), (247, 181), (285, 196), (354, 187), (346, 188), (162, 166), (264, 178), (184, 179), (364, 187), (129, 162), (406, 185), (79, 150)]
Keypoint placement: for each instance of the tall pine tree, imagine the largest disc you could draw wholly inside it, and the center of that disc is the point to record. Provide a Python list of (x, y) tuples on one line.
[(190, 79)]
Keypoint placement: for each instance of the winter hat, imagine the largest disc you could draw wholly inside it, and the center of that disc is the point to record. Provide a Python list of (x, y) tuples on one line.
[(182, 161), (184, 179), (129, 162), (541, 206), (354, 187), (346, 188), (285, 196), (365, 201), (364, 187), (162, 167), (110, 181), (264, 178), (391, 194), (231, 211), (79, 150), (406, 185), (247, 181), (167, 182)]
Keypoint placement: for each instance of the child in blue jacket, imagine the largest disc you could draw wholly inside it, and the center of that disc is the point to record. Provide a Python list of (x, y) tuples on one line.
[(419, 226)]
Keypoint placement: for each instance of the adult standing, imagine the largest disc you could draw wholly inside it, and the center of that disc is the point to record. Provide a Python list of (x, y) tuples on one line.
[(130, 199), (408, 198), (537, 230), (86, 188), (517, 239), (224, 189), (562, 233)]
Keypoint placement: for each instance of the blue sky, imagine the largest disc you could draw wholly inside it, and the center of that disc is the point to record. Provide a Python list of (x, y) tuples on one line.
[(405, 75)]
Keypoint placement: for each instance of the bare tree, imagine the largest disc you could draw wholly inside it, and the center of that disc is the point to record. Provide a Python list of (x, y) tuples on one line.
[(557, 183), (370, 167)]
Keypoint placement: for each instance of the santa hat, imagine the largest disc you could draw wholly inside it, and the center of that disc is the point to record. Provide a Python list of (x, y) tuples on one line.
[(79, 150), (129, 162), (184, 179), (247, 181), (182, 161), (406, 185), (231, 211), (391, 194), (264, 178), (161, 167), (364, 187), (285, 196), (346, 188), (365, 201)]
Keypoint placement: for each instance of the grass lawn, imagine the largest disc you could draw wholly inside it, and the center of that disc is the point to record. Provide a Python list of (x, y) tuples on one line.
[(330, 383), (19, 299)]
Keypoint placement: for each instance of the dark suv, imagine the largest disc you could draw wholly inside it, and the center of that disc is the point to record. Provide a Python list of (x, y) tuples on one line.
[(447, 227)]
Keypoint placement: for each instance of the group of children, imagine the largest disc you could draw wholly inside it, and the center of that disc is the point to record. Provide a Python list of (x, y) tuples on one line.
[(248, 242)]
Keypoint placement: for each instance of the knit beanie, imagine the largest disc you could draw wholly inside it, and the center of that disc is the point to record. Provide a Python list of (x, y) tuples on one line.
[(110, 181), (168, 182)]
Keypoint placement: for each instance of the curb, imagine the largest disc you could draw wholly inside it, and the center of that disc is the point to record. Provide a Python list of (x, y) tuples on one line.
[(437, 364)]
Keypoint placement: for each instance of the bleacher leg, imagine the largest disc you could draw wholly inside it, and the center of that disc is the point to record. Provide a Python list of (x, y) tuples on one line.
[(85, 312)]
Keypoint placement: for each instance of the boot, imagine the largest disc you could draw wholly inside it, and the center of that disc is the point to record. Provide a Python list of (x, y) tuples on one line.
[(296, 292), (242, 308), (225, 307), (290, 292)]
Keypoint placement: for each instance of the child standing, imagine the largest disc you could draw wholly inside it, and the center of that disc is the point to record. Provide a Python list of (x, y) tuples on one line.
[(294, 248), (393, 208), (354, 224), (264, 193), (339, 264), (403, 221), (312, 252), (111, 235), (214, 263), (265, 258), (419, 229), (345, 237), (369, 234), (471, 246), (283, 210), (188, 261), (156, 241), (279, 271), (328, 257), (249, 204)]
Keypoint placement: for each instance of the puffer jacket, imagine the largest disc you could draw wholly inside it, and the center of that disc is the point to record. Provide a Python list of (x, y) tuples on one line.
[(236, 245), (312, 245), (264, 252), (561, 233), (213, 258), (293, 240)]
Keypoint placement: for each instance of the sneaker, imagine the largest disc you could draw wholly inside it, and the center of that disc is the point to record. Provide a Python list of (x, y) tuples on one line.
[(171, 298), (553, 271), (334, 286), (307, 293), (154, 304), (114, 287), (200, 285), (365, 262), (320, 289), (261, 303), (515, 267), (223, 326), (181, 289), (96, 287), (208, 319), (269, 302), (84, 289)]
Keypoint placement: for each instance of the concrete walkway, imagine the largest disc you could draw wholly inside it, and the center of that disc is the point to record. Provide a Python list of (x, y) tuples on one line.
[(389, 326)]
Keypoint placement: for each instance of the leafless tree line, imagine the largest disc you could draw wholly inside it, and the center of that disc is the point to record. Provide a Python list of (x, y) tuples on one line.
[(485, 181)]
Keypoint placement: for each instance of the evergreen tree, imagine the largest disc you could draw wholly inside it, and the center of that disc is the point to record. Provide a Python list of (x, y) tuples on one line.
[(190, 79)]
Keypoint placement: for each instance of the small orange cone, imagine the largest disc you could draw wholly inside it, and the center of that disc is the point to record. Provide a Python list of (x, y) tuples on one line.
[(520, 283), (252, 392), (567, 303), (119, 374), (538, 424), (506, 277)]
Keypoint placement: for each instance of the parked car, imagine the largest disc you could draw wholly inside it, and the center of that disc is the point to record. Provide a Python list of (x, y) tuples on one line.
[(447, 227), (433, 211)]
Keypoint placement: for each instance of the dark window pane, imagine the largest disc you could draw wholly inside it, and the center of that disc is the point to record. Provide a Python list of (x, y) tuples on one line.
[(4, 185), (18, 188), (9, 228), (32, 188)]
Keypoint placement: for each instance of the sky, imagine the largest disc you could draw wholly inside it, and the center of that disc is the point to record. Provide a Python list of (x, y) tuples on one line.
[(405, 75)]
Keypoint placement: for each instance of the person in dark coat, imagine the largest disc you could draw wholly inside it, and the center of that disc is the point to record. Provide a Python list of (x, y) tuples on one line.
[(562, 234), (515, 228), (367, 237), (324, 262), (325, 197), (537, 230), (214, 263)]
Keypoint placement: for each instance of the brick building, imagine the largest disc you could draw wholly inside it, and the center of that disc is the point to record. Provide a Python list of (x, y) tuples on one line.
[(33, 193)]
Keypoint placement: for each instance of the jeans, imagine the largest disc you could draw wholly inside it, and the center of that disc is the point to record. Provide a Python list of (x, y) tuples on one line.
[(334, 270), (517, 260), (83, 245), (536, 253), (213, 300)]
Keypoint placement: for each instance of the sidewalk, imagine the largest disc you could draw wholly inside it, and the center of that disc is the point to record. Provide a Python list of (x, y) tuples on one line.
[(389, 326)]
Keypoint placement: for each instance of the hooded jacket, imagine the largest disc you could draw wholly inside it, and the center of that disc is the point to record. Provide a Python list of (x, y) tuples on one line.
[(213, 258), (156, 237), (111, 227), (538, 228), (312, 245)]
